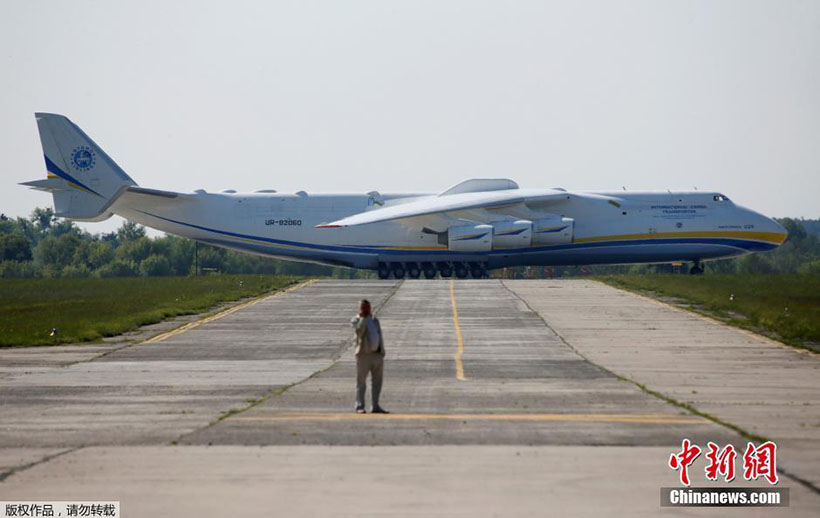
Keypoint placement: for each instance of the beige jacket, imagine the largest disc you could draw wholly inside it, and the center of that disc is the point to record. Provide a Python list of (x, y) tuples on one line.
[(362, 338)]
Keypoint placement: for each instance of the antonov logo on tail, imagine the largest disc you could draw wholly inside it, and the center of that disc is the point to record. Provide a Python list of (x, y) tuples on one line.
[(83, 158), (476, 225)]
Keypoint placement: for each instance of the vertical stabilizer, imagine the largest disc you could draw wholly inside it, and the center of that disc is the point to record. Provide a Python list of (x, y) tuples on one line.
[(82, 178)]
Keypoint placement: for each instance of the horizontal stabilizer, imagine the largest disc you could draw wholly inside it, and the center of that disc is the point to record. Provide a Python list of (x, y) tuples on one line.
[(156, 192), (49, 184)]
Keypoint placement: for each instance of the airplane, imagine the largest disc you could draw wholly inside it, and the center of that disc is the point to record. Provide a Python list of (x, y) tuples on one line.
[(475, 226)]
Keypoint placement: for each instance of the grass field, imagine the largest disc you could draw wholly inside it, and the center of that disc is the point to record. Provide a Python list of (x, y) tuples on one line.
[(786, 305), (89, 309)]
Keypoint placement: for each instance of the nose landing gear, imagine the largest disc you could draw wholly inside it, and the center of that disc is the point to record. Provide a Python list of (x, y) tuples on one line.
[(697, 268)]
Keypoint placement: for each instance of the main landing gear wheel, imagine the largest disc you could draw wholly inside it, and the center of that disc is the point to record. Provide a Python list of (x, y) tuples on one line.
[(413, 270), (384, 272), (429, 270), (477, 270), (461, 270), (445, 270), (398, 270), (696, 269)]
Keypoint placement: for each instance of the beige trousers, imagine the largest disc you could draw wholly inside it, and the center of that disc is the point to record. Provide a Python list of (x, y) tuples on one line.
[(372, 363)]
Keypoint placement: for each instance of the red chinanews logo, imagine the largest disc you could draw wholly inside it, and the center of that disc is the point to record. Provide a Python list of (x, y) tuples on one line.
[(758, 461)]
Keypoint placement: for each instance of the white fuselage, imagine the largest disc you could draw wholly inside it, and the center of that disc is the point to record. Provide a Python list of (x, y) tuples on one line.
[(636, 227)]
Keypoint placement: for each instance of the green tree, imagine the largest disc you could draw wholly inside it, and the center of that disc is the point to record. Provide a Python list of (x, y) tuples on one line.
[(92, 254), (27, 228), (130, 231), (75, 270), (118, 268), (42, 219), (155, 265), (110, 237), (181, 255), (795, 229), (755, 264), (722, 266), (19, 270), (64, 226), (810, 268), (212, 257), (14, 247), (7, 226), (161, 246), (99, 254), (57, 252), (134, 250)]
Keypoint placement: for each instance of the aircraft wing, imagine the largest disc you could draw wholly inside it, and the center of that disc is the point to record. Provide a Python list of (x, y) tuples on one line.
[(455, 206)]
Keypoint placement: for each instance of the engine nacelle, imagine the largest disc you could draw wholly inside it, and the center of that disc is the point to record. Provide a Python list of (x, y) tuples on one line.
[(470, 238), (512, 234), (553, 230)]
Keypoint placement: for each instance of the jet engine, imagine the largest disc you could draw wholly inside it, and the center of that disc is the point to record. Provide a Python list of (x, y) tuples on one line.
[(470, 238), (553, 230), (512, 234)]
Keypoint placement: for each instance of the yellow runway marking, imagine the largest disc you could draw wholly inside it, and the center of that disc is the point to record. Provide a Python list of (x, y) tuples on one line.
[(586, 418), (187, 327), (460, 351)]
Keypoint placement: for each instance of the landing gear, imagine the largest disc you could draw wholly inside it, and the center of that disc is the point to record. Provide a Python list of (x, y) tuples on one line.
[(697, 268), (461, 270), (398, 270), (477, 270), (445, 270), (413, 270)]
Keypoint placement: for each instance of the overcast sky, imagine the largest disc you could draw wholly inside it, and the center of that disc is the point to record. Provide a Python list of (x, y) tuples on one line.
[(391, 96)]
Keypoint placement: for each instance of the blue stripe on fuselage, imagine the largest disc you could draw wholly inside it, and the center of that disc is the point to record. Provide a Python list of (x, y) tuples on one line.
[(752, 246)]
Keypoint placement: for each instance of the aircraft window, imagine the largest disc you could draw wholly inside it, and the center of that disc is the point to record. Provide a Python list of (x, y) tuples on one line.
[(720, 197)]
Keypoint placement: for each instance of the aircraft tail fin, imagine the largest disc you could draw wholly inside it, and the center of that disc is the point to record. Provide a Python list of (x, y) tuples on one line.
[(83, 180)]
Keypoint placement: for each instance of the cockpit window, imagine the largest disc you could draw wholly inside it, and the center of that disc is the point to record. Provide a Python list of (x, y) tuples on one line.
[(720, 197)]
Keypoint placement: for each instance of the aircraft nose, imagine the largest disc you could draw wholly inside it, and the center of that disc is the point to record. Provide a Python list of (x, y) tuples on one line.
[(781, 230), (775, 228)]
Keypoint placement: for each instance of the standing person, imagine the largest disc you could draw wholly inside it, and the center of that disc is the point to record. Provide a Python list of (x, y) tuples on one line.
[(369, 356)]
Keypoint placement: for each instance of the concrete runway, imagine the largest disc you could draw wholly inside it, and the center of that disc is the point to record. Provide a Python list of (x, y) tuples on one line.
[(508, 398)]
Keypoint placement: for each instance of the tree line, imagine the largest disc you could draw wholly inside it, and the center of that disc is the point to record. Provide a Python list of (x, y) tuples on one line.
[(45, 246)]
